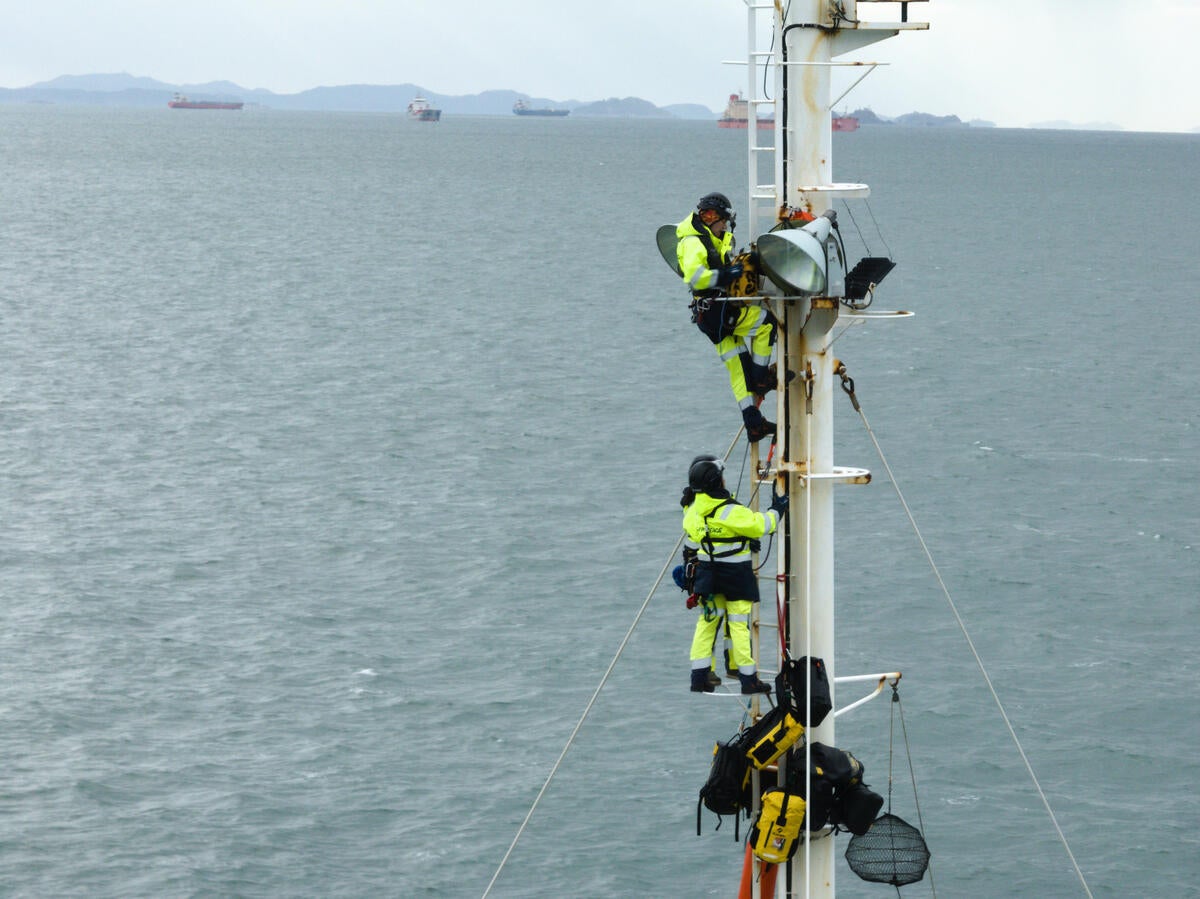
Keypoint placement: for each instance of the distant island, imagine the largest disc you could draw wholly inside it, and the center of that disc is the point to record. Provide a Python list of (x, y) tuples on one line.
[(124, 90)]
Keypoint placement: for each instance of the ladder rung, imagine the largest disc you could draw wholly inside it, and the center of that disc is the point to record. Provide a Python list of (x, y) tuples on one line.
[(891, 26)]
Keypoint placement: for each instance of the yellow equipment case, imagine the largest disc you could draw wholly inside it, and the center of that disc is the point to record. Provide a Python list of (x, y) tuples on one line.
[(776, 834), (771, 736)]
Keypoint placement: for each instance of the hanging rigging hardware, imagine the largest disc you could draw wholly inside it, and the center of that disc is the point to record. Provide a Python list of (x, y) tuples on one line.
[(764, 471), (839, 369), (892, 851), (808, 388)]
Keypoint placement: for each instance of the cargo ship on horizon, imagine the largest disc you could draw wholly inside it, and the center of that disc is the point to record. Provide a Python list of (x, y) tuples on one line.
[(523, 108), (737, 116), (420, 110), (179, 101)]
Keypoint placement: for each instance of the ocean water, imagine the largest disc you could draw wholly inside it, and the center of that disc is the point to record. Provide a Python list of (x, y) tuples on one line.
[(338, 454)]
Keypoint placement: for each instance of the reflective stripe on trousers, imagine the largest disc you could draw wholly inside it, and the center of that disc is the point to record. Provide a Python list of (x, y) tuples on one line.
[(738, 611)]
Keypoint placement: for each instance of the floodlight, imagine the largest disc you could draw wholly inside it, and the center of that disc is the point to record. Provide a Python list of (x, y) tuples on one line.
[(795, 259), (867, 273)]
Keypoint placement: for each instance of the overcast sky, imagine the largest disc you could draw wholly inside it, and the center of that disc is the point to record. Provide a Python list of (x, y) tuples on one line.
[(1012, 62)]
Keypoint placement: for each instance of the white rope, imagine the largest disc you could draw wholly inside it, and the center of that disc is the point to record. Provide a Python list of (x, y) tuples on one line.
[(592, 701), (979, 661), (912, 776)]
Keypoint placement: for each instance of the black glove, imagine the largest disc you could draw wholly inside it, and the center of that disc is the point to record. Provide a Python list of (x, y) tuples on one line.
[(779, 504), (728, 274), (752, 258)]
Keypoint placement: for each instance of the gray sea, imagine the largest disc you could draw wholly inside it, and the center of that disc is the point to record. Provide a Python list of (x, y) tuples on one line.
[(338, 454)]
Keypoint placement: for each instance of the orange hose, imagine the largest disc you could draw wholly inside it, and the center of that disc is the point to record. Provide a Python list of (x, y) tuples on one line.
[(766, 872)]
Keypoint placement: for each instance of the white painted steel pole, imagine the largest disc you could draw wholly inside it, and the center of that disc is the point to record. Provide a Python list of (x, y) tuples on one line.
[(807, 442), (809, 38)]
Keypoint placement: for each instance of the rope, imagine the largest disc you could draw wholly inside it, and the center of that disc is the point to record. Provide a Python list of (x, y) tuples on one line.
[(912, 775), (591, 702), (971, 644)]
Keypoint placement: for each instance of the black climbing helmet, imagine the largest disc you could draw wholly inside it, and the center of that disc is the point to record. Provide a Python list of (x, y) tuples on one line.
[(718, 203), (706, 474)]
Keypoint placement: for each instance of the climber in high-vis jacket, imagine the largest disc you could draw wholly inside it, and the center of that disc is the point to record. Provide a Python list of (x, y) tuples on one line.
[(705, 255), (720, 534)]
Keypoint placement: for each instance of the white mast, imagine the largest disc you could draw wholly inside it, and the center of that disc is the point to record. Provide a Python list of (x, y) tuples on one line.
[(808, 36)]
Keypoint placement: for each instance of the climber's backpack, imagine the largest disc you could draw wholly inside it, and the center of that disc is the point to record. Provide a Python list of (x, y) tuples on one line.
[(771, 736), (855, 805), (727, 790), (831, 768), (838, 795), (774, 837), (855, 808), (796, 678)]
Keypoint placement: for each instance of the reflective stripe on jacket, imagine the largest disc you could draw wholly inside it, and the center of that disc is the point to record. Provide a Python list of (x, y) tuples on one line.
[(729, 528), (720, 530), (699, 269)]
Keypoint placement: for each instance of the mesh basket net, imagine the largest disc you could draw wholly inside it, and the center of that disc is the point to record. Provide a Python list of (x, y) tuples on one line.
[(892, 851)]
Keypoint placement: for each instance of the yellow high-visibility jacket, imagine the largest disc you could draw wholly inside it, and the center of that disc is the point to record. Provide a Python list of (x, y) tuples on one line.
[(719, 529), (698, 265)]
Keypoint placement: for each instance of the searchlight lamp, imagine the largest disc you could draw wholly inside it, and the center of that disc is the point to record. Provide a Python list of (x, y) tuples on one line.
[(797, 259)]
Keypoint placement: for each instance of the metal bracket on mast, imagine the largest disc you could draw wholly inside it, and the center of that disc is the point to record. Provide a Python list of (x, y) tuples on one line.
[(893, 676), (838, 475)]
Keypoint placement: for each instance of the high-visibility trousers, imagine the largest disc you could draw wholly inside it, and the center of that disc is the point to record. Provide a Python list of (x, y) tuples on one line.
[(757, 324), (737, 611)]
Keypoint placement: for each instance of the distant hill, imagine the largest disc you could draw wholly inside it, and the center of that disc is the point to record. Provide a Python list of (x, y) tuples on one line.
[(629, 107), (924, 119), (690, 111), (122, 89), (919, 119)]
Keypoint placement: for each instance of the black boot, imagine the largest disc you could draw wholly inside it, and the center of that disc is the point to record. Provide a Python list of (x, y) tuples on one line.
[(757, 427), (751, 684), (713, 680), (760, 379), (700, 682)]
